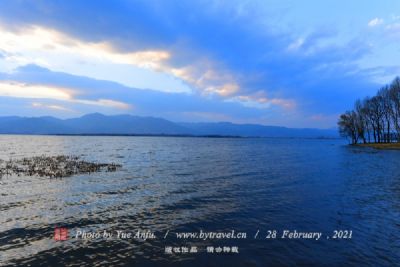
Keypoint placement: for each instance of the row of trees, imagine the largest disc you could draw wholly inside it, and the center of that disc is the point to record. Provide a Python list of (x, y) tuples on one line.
[(374, 119)]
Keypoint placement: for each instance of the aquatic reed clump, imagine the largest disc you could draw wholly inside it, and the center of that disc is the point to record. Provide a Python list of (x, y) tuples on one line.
[(53, 166)]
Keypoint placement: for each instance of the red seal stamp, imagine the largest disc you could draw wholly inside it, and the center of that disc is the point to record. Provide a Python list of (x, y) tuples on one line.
[(60, 233)]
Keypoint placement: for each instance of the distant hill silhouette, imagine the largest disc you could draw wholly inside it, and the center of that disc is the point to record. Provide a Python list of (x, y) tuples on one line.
[(97, 123), (227, 128)]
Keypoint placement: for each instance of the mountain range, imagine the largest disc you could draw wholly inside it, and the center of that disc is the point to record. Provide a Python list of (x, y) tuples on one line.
[(100, 124)]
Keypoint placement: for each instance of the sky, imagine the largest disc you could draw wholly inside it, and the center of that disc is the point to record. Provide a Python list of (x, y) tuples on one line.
[(286, 63)]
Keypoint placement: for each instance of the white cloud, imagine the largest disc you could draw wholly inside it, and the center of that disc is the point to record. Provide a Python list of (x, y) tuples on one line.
[(395, 17), (32, 91), (50, 106), (393, 30), (21, 90), (106, 103), (261, 101), (375, 22), (36, 43), (100, 60), (296, 44), (50, 48)]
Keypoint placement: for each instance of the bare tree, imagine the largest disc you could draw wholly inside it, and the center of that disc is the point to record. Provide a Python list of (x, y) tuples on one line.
[(361, 125), (376, 109), (394, 94), (366, 114), (377, 117), (386, 112), (347, 126)]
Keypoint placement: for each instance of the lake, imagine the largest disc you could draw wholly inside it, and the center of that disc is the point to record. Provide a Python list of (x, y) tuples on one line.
[(170, 185)]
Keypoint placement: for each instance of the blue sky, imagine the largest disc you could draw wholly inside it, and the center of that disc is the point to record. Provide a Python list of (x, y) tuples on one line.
[(289, 63)]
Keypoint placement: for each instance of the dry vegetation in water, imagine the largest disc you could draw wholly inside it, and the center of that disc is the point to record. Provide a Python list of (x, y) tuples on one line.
[(53, 166)]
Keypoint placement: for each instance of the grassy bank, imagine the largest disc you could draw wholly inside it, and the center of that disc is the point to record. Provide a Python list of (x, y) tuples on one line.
[(382, 145)]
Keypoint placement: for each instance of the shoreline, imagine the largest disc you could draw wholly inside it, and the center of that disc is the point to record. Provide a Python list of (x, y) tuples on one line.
[(384, 146), (176, 135)]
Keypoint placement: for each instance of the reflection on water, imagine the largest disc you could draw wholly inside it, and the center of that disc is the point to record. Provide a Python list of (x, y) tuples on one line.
[(188, 184)]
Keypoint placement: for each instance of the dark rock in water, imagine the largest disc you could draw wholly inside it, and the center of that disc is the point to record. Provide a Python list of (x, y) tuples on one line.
[(53, 166)]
